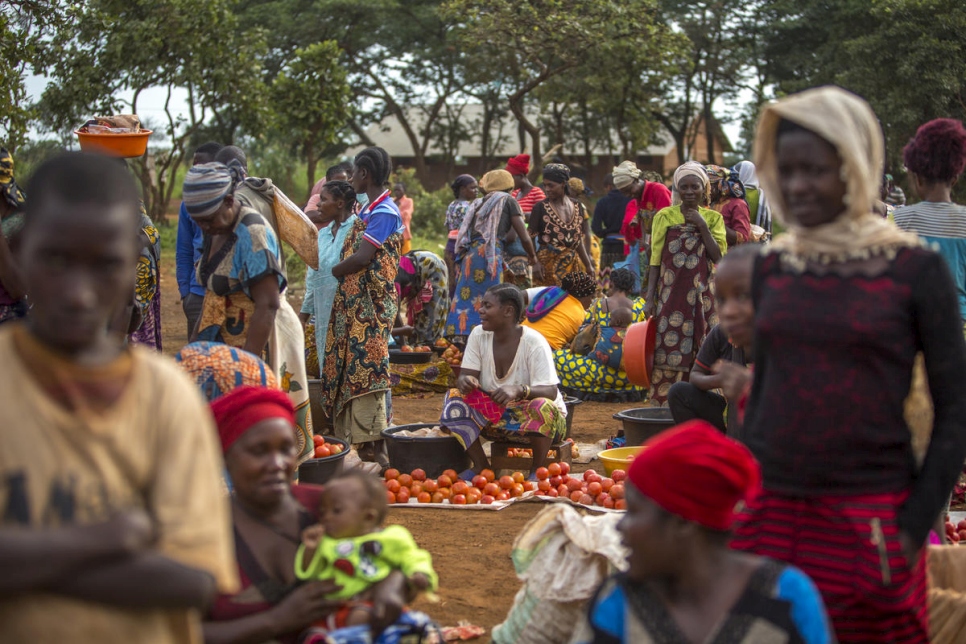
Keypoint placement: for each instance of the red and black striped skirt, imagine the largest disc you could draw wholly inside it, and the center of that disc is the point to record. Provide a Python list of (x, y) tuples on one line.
[(850, 548)]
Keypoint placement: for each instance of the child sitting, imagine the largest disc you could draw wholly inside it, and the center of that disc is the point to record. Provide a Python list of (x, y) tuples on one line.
[(349, 546)]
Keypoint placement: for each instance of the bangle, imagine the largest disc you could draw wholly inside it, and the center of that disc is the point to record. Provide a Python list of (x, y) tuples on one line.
[(526, 392)]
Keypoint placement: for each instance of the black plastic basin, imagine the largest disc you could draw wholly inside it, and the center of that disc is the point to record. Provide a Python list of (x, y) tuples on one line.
[(642, 423), (322, 470), (434, 454)]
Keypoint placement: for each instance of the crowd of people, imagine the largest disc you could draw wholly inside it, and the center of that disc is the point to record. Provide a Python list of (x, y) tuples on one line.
[(788, 504)]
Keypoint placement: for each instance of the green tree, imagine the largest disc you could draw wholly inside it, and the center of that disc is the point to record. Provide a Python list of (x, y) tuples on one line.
[(710, 69), (312, 100), (110, 48), (26, 27), (906, 57), (524, 45)]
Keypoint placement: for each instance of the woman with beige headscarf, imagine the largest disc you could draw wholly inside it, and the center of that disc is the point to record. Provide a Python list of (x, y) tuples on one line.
[(687, 240), (844, 301)]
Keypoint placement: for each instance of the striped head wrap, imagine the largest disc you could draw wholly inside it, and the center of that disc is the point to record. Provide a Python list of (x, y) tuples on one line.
[(205, 188), (9, 190)]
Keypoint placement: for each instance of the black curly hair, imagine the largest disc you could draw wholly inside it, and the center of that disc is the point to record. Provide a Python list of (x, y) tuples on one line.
[(623, 280), (377, 163), (341, 190), (937, 153)]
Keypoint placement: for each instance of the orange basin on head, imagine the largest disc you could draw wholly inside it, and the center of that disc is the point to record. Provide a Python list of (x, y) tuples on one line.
[(639, 344), (125, 145)]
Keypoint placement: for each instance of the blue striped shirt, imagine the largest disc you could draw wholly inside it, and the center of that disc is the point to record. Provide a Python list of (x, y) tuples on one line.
[(943, 226)]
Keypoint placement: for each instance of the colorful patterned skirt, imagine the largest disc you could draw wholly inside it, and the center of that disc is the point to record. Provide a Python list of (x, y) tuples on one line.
[(537, 416), (850, 548), (597, 376), (685, 309), (556, 263), (476, 275), (149, 333), (433, 377)]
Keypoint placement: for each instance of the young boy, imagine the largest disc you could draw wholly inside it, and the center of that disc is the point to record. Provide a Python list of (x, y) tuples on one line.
[(350, 546), (728, 342), (113, 527)]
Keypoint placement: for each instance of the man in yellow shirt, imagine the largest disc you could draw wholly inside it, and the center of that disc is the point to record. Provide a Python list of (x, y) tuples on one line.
[(557, 313), (113, 526)]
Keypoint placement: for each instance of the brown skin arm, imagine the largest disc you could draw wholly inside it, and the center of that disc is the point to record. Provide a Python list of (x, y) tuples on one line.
[(516, 223), (358, 261), (146, 580), (9, 273), (731, 236), (304, 319), (266, 298), (704, 380), (650, 305), (34, 560), (509, 393), (583, 251), (303, 606)]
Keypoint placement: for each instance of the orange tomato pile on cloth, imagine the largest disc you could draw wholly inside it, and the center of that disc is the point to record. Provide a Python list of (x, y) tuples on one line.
[(484, 489), (589, 489)]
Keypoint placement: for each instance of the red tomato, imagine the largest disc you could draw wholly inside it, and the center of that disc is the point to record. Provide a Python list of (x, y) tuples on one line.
[(402, 496), (451, 474), (563, 490), (542, 473), (479, 481), (620, 504), (492, 489), (322, 451), (594, 478), (518, 477), (588, 474), (458, 499), (419, 474), (503, 496), (431, 486), (528, 486), (594, 488), (390, 497), (552, 493), (318, 440), (487, 499), (543, 485), (607, 484), (575, 496), (506, 482), (575, 484), (564, 468), (335, 448), (586, 499), (438, 497), (424, 497), (554, 469), (489, 475), (617, 492), (556, 481), (405, 480), (393, 486), (392, 473), (445, 481), (460, 487), (618, 475)]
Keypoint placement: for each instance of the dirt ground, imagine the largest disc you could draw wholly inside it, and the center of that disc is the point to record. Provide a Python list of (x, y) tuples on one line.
[(471, 549)]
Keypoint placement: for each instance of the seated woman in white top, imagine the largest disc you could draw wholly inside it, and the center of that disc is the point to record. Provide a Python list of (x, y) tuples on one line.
[(507, 389)]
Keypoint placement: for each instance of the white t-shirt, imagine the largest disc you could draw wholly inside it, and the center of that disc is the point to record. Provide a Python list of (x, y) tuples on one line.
[(532, 365), (532, 293)]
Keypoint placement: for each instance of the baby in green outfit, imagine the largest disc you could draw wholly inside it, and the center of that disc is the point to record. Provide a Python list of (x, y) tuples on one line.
[(349, 546)]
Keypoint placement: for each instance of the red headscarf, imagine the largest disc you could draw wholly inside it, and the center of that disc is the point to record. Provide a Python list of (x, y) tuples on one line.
[(520, 164), (236, 412), (697, 473)]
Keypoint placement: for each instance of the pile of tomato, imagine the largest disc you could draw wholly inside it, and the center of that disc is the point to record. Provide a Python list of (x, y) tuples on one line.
[(955, 533), (323, 449), (484, 489), (589, 489), (452, 354), (422, 348)]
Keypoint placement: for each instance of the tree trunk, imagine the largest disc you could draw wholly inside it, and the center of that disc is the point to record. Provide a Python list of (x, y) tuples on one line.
[(516, 107), (310, 164), (709, 131)]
